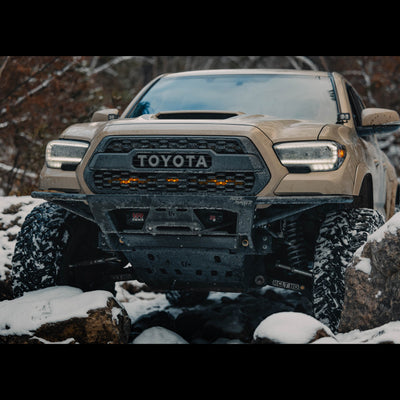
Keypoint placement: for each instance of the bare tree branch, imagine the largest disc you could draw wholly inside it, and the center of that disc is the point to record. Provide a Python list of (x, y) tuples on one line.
[(115, 61), (3, 65), (46, 82), (293, 62), (307, 61)]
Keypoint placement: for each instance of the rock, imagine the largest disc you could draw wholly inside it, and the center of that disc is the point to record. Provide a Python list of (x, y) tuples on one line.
[(155, 318), (233, 318), (157, 335), (190, 323), (231, 324), (6, 289), (106, 325), (372, 294), (64, 314), (291, 328)]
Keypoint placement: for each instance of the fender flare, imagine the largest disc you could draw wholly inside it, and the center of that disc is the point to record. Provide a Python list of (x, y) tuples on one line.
[(363, 187)]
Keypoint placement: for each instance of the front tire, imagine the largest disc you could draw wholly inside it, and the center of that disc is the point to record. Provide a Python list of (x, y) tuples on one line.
[(340, 235), (39, 249), (50, 240)]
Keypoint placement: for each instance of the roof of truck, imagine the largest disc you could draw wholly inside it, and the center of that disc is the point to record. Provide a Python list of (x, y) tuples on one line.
[(249, 71)]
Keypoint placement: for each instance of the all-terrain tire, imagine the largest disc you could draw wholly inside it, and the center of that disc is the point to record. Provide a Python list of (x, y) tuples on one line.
[(51, 239), (340, 235), (39, 248)]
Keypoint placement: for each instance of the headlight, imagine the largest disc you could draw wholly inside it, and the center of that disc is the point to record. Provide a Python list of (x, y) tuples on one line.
[(66, 154), (304, 157)]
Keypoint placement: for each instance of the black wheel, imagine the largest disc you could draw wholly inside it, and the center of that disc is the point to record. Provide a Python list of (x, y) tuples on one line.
[(50, 239), (183, 298), (340, 235)]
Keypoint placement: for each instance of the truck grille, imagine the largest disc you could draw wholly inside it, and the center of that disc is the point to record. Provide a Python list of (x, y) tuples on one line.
[(125, 181), (203, 164)]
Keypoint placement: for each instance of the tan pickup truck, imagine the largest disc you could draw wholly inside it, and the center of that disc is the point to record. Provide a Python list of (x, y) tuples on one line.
[(221, 180)]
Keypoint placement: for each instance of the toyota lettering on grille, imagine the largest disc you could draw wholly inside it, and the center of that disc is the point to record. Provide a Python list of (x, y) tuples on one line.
[(197, 161)]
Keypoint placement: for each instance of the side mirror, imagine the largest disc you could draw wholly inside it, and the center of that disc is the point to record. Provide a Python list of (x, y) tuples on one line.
[(378, 116), (378, 120), (105, 115)]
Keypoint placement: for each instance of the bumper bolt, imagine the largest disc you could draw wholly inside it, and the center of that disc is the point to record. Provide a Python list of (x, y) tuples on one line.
[(259, 280)]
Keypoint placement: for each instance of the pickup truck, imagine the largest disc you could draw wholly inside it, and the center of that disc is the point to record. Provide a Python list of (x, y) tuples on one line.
[(217, 180)]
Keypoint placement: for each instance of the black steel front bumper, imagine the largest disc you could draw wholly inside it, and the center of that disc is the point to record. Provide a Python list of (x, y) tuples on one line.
[(172, 211), (172, 249)]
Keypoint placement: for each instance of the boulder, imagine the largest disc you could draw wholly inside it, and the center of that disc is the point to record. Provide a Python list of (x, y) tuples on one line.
[(291, 328), (234, 318), (372, 281), (157, 335), (64, 315)]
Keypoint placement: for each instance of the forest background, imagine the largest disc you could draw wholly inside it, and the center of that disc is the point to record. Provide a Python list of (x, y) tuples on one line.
[(40, 96)]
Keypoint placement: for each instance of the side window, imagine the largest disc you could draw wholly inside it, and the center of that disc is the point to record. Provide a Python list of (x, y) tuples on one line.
[(356, 104)]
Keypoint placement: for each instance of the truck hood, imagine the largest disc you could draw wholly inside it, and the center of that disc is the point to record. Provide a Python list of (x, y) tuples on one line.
[(283, 130), (275, 130)]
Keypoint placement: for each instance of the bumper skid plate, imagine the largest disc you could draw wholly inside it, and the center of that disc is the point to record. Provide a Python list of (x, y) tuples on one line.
[(187, 241)]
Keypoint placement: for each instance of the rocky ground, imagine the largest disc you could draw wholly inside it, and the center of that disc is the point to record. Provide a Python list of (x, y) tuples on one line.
[(222, 319), (55, 315)]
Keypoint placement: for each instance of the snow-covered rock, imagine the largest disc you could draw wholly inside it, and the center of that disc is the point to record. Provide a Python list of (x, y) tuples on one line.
[(372, 296), (385, 334), (291, 328), (63, 313), (298, 328), (157, 335)]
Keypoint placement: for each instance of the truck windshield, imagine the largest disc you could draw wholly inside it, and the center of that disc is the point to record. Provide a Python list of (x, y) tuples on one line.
[(298, 97)]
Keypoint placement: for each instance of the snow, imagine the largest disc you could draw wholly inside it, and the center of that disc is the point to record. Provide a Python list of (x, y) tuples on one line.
[(364, 265), (141, 303), (26, 314), (298, 328), (389, 227), (289, 328), (158, 334), (389, 332), (10, 224)]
